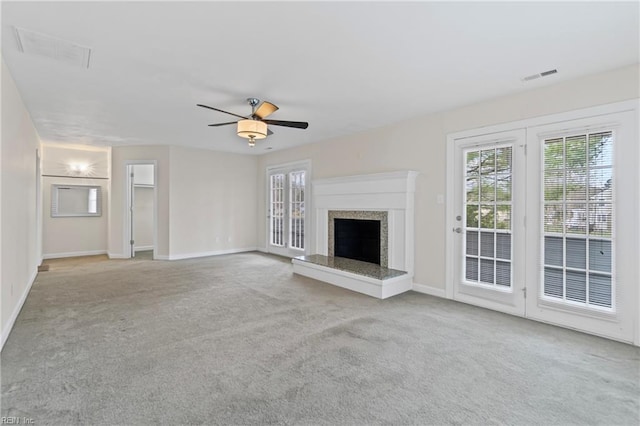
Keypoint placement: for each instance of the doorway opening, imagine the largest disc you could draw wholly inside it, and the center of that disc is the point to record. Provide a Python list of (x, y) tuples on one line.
[(141, 224)]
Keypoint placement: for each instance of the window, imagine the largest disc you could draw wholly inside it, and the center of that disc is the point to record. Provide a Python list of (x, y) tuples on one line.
[(277, 209), (288, 208), (487, 210), (577, 219), (296, 209)]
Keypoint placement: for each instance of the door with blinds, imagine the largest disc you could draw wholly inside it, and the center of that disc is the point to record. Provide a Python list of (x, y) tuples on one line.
[(489, 221), (545, 222), (288, 189), (583, 229)]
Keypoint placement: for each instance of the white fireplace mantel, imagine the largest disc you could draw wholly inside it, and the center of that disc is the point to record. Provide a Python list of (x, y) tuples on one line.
[(391, 192)]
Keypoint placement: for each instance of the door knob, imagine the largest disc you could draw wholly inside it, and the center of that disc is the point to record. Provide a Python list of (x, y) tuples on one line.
[(457, 230)]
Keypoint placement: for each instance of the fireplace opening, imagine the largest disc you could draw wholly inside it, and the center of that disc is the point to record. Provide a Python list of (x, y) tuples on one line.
[(357, 239)]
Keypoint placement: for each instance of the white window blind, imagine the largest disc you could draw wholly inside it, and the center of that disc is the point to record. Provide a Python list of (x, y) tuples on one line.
[(488, 205), (577, 219), (277, 209), (296, 208)]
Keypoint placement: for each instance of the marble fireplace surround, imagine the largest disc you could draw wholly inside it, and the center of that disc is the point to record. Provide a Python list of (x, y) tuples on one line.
[(361, 215), (389, 194)]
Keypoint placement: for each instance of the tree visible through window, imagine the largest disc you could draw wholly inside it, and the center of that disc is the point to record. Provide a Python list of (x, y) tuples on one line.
[(577, 217), (488, 205)]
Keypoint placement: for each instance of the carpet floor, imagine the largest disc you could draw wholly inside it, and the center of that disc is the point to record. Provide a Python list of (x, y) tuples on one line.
[(241, 340)]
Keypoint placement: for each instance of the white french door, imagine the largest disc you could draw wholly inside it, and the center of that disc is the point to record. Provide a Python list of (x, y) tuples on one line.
[(545, 222), (583, 231), (288, 192), (489, 221)]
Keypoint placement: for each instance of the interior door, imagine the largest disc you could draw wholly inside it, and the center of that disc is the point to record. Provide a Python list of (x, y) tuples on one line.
[(131, 209), (489, 237), (287, 210)]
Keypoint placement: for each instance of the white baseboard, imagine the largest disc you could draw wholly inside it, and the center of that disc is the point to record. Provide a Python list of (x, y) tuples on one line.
[(143, 248), (116, 256), (262, 249), (432, 291), (14, 316), (73, 254), (205, 254)]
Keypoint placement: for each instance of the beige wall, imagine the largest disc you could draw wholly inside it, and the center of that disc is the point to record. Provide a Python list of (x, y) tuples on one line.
[(117, 206), (19, 232), (213, 202), (58, 160), (206, 200), (74, 236), (420, 144)]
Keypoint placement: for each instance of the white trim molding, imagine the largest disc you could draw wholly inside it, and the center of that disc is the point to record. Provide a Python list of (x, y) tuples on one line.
[(392, 193), (427, 289), (14, 315), (183, 256), (381, 289), (74, 254)]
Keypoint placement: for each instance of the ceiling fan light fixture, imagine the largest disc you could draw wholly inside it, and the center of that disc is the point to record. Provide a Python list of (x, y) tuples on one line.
[(252, 129)]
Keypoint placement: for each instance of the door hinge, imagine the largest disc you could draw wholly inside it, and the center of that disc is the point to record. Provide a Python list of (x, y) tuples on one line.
[(525, 149), (524, 292), (131, 242)]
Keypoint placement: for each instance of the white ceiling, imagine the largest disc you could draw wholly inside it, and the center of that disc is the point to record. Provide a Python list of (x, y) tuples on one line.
[(343, 67)]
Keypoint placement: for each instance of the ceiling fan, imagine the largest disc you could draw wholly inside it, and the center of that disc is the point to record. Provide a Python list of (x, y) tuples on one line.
[(254, 126)]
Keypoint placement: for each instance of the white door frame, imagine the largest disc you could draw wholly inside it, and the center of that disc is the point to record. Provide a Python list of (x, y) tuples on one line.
[(632, 106), (619, 323), (510, 300), (285, 169), (128, 207)]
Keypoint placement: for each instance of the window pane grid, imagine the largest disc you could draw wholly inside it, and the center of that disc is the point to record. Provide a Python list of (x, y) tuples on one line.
[(296, 208), (277, 210), (487, 217), (577, 217)]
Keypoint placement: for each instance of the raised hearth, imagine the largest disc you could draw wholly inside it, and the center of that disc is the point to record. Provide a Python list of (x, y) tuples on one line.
[(363, 277), (387, 197)]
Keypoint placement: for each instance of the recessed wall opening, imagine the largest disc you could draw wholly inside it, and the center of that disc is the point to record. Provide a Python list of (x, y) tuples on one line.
[(360, 235), (357, 239)]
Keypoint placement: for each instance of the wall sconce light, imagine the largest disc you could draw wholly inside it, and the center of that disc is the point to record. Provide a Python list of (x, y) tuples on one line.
[(79, 169)]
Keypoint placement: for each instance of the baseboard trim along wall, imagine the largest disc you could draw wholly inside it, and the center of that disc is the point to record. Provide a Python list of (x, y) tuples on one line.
[(432, 291), (116, 255), (73, 254), (143, 248), (16, 311), (203, 254)]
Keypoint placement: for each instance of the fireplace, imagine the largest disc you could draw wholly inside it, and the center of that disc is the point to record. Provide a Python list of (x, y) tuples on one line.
[(357, 239), (359, 234), (383, 199)]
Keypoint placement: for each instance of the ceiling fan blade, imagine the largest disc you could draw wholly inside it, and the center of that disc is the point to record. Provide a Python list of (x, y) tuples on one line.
[(220, 110), (295, 124), (265, 109), (222, 124)]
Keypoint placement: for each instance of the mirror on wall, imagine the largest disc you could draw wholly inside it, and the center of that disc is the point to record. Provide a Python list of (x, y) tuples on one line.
[(76, 200)]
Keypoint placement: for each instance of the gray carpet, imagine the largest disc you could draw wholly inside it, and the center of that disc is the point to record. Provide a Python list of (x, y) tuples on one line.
[(239, 339)]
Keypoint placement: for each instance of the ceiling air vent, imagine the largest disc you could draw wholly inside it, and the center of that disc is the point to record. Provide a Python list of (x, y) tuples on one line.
[(542, 74), (39, 44)]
